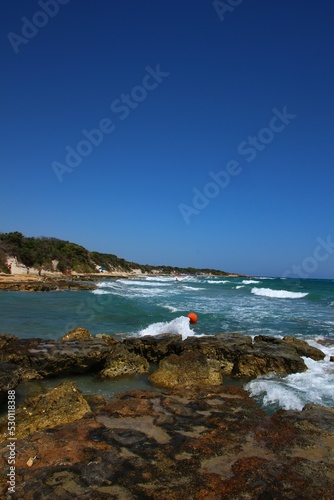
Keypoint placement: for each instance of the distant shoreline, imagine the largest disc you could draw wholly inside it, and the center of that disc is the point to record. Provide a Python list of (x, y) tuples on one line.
[(52, 281)]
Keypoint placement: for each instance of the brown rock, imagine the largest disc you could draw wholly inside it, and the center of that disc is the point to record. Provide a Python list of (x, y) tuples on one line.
[(123, 362), (261, 362), (77, 333), (61, 405), (195, 444), (304, 349), (5, 339), (224, 347), (189, 369), (12, 375), (51, 358), (108, 339), (153, 348), (268, 354)]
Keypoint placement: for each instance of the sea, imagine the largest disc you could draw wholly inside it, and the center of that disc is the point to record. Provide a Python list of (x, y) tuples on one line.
[(302, 308)]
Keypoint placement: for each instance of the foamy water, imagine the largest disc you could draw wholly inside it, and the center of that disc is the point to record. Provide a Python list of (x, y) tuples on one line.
[(278, 294), (294, 391), (179, 325)]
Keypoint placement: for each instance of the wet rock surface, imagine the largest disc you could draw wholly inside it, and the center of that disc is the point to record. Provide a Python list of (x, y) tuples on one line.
[(189, 369), (205, 443), (49, 284), (79, 352), (77, 333), (12, 375), (61, 405), (123, 362), (54, 358)]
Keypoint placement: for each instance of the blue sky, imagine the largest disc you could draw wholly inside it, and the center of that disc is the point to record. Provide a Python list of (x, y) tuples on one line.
[(190, 133)]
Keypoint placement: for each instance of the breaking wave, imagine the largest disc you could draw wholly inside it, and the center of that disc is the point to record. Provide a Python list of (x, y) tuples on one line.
[(178, 325), (278, 294)]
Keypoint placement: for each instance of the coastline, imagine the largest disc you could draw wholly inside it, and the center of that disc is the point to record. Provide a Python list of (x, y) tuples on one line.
[(51, 281)]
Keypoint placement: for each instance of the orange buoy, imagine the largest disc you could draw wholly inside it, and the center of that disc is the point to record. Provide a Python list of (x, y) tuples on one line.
[(193, 317)]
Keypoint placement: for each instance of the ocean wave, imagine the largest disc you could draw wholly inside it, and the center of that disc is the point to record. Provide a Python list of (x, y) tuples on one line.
[(101, 292), (178, 325), (294, 391), (215, 282), (107, 284), (141, 283), (239, 286), (159, 278), (192, 288), (250, 282), (278, 294), (170, 308)]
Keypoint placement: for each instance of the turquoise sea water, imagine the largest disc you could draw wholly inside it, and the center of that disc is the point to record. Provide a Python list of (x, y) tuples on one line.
[(152, 305)]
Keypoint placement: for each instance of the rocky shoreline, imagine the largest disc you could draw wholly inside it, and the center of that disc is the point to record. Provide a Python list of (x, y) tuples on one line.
[(190, 437), (50, 282), (47, 283)]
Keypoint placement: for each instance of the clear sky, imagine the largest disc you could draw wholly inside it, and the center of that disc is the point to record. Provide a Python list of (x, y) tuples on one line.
[(186, 133)]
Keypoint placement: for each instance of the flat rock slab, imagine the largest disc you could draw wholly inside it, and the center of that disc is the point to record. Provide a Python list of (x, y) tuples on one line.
[(211, 443)]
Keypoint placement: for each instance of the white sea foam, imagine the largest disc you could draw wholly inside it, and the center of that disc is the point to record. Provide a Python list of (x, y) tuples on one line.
[(278, 294), (239, 286), (101, 292), (216, 282), (107, 284), (249, 282), (170, 308), (294, 391), (178, 325), (192, 288), (159, 278), (141, 283)]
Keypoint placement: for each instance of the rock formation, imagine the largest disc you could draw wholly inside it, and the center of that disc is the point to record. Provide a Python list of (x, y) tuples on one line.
[(187, 444)]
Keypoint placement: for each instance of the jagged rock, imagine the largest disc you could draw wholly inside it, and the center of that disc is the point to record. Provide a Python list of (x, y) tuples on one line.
[(61, 405), (15, 350), (6, 338), (12, 375), (223, 347), (208, 443), (123, 362), (237, 354), (153, 348), (48, 285), (304, 349), (51, 358), (189, 369), (77, 333), (267, 357), (108, 338)]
